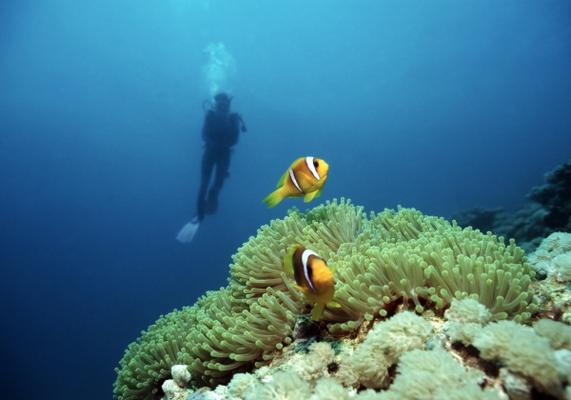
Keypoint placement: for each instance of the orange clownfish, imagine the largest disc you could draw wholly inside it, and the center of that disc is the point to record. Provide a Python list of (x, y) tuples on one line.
[(313, 277), (305, 177)]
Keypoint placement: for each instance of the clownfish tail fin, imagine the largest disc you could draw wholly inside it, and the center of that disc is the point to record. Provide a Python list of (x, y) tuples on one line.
[(274, 198)]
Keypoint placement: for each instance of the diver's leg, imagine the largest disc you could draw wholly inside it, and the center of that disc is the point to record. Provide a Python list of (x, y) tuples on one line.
[(222, 165), (206, 171)]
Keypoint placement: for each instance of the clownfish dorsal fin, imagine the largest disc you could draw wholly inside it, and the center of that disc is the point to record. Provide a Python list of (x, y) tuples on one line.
[(288, 261), (282, 179)]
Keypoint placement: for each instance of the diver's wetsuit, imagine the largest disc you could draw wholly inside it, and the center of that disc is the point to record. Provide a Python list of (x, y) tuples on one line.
[(220, 132)]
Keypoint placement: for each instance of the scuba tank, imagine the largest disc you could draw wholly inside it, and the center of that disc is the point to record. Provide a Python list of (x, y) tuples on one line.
[(216, 134), (209, 105)]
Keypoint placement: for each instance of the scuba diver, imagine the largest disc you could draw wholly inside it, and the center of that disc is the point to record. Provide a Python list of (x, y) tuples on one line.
[(220, 131)]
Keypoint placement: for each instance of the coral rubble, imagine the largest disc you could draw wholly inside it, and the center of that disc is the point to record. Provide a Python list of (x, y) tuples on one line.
[(422, 303)]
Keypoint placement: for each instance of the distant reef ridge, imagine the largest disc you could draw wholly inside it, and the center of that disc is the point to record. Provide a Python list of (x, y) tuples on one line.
[(547, 210), (428, 310)]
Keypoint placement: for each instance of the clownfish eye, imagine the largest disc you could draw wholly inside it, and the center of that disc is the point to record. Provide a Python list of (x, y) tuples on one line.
[(316, 164)]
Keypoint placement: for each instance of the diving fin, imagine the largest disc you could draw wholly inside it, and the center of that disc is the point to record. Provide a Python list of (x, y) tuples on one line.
[(187, 232)]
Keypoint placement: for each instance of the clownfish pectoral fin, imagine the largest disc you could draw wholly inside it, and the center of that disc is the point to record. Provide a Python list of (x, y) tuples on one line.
[(274, 198), (310, 196), (317, 311), (334, 305), (288, 261), (332, 268)]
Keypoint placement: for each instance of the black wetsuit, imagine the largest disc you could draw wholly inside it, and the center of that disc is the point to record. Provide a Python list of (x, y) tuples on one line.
[(220, 132)]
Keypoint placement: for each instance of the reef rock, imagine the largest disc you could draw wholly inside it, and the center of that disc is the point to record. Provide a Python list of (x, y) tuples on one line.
[(549, 210)]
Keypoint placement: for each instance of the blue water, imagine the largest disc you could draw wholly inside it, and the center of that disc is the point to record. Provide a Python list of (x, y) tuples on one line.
[(438, 105)]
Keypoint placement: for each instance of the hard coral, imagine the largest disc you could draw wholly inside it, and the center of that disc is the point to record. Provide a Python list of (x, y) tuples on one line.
[(384, 344), (522, 351), (549, 258), (558, 333), (435, 374), (282, 386), (240, 384), (329, 388), (314, 364), (465, 319), (394, 258)]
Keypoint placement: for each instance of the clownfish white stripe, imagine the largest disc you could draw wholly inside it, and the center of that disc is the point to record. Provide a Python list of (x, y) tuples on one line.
[(292, 177), (304, 262), (309, 162)]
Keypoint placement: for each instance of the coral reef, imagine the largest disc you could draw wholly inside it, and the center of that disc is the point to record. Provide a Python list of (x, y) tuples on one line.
[(480, 218), (503, 360), (548, 211), (386, 263)]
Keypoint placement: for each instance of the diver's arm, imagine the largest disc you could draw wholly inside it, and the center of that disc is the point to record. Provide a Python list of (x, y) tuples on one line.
[(243, 127), (207, 129)]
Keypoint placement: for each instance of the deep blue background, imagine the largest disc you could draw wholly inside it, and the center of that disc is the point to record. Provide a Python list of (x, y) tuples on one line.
[(439, 105)]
